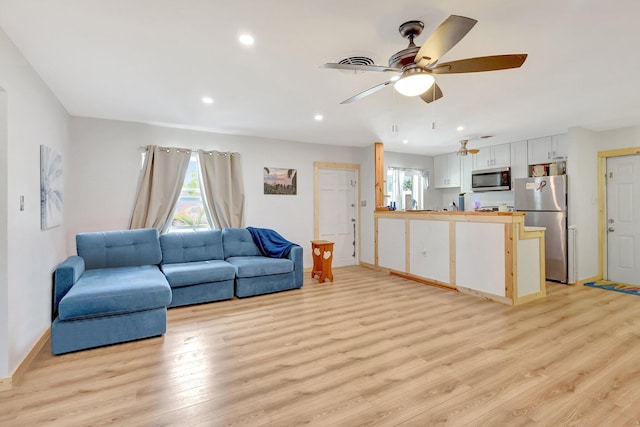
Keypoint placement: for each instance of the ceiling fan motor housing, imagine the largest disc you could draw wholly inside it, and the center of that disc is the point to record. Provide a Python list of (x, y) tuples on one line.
[(404, 57), (408, 30)]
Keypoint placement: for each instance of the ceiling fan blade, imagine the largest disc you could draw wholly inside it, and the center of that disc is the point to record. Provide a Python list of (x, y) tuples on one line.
[(367, 92), (356, 67), (446, 36), (483, 63), (433, 94)]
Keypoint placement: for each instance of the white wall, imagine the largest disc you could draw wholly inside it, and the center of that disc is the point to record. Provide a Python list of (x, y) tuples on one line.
[(107, 159), (582, 167), (4, 287), (448, 195), (34, 117), (618, 138), (582, 180), (488, 199)]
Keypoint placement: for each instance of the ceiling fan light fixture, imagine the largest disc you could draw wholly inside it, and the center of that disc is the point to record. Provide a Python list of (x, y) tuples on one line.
[(414, 81)]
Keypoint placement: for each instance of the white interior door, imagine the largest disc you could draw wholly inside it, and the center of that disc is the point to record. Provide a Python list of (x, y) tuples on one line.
[(337, 213), (623, 219)]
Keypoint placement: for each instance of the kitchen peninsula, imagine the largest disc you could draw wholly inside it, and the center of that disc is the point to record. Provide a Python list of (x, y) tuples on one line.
[(487, 254)]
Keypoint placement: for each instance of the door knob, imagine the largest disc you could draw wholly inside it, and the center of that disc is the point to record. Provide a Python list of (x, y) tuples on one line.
[(610, 229)]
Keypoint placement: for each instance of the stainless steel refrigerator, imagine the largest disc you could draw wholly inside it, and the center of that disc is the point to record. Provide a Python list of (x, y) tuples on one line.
[(545, 201)]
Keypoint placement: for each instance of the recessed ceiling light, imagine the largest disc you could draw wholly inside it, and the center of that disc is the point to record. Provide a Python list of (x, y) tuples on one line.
[(207, 100), (460, 128), (246, 39), (405, 141), (318, 117)]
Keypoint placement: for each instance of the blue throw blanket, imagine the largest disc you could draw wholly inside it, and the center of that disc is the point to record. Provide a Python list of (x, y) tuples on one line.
[(270, 243)]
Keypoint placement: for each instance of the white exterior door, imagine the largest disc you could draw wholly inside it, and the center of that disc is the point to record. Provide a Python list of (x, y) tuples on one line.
[(338, 213), (623, 219)]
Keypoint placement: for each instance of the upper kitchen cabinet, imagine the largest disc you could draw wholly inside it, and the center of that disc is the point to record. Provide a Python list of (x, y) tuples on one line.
[(446, 171), (496, 156), (519, 165), (547, 149)]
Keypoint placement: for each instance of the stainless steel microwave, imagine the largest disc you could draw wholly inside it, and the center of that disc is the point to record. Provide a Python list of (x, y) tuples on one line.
[(498, 179)]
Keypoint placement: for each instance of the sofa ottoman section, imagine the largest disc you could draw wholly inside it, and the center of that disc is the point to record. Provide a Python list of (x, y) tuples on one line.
[(194, 265)]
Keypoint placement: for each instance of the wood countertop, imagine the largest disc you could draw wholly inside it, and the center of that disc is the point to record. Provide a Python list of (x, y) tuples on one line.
[(460, 213)]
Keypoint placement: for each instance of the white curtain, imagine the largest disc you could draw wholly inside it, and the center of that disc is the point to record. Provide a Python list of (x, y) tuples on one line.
[(159, 187), (223, 188)]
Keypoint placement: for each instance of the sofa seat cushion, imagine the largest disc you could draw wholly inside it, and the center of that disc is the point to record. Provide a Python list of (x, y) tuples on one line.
[(194, 273), (109, 291), (252, 266)]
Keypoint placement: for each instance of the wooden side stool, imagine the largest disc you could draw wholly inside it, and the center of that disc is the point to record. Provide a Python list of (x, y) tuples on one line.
[(322, 251)]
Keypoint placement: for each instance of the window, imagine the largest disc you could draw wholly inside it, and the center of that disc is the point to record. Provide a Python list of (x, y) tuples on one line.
[(407, 187), (190, 214)]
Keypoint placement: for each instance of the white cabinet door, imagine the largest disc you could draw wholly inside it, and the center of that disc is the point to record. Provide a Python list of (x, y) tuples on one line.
[(446, 171), (501, 155), (519, 167), (497, 156), (559, 146), (440, 171), (429, 250), (454, 170), (482, 159), (391, 244), (539, 150)]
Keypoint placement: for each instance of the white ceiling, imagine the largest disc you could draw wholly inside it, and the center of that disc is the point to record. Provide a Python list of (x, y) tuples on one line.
[(152, 61)]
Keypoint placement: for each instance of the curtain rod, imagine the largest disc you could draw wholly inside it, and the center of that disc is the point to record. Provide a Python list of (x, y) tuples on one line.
[(192, 150)]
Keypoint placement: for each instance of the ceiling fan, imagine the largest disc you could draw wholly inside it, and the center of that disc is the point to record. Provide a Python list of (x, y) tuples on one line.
[(414, 67), (463, 150)]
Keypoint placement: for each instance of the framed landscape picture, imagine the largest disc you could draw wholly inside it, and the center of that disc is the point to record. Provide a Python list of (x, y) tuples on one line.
[(280, 181)]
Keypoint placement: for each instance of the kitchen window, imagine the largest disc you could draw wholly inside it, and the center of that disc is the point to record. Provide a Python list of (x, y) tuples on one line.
[(406, 187)]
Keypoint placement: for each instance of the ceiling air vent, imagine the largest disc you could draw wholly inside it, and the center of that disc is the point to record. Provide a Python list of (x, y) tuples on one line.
[(357, 60)]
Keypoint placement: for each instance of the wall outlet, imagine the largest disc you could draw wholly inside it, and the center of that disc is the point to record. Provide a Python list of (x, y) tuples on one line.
[(363, 203)]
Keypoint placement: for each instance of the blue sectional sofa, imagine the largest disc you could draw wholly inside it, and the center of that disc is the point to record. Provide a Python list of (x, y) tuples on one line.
[(120, 284)]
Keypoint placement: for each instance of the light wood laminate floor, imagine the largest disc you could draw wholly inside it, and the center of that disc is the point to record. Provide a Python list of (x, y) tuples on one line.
[(365, 349)]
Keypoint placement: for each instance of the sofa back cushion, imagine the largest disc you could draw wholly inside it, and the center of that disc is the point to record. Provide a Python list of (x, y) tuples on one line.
[(238, 242), (124, 248), (191, 247)]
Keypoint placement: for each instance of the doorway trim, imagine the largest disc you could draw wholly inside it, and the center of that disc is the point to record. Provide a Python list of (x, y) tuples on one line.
[(316, 195), (602, 202)]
